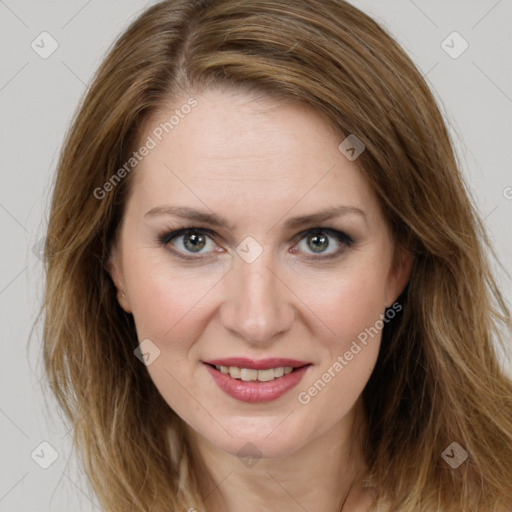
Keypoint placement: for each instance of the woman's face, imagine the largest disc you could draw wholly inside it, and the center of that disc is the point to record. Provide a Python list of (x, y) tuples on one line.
[(270, 285)]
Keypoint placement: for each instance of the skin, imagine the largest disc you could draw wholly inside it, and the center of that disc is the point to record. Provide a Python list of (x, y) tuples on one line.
[(259, 162)]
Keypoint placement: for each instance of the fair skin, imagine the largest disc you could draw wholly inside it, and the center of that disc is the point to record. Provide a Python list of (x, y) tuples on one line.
[(259, 162)]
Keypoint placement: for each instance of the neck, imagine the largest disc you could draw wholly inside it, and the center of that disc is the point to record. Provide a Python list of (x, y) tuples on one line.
[(321, 475)]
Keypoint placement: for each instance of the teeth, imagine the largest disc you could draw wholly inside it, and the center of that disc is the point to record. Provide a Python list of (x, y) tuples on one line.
[(278, 372), (234, 372), (247, 374), (266, 375)]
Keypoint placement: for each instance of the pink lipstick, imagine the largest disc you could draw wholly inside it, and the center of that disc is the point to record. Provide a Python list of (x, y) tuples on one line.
[(256, 381)]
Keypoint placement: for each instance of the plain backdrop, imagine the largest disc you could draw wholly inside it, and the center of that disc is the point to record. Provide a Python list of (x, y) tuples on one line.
[(38, 97)]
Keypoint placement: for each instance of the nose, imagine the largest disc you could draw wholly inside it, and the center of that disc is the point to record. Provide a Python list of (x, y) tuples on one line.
[(257, 305)]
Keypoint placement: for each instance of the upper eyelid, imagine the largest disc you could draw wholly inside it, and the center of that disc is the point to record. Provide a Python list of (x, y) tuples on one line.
[(334, 233), (318, 228)]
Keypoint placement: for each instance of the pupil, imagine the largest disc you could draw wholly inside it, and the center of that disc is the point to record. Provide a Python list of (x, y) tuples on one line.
[(321, 242), (196, 240)]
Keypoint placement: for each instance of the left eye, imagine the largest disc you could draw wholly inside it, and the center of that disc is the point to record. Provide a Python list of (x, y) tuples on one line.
[(318, 240)]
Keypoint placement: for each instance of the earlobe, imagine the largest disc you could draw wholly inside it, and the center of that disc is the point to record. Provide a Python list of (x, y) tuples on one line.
[(117, 276), (399, 276), (123, 301)]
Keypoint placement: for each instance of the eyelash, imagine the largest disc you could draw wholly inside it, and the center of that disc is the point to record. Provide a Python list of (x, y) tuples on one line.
[(166, 237)]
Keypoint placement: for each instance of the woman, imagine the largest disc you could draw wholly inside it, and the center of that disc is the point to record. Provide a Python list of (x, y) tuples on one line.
[(275, 295)]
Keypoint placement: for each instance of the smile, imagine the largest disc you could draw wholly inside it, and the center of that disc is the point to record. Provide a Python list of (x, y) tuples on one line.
[(248, 374), (256, 385)]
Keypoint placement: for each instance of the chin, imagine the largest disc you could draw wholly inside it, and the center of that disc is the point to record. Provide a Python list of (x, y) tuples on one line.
[(249, 449), (254, 441)]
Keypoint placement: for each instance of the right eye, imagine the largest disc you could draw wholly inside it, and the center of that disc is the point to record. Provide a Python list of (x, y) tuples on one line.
[(193, 240)]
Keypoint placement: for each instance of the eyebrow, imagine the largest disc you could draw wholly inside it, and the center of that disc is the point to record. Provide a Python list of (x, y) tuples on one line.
[(217, 220)]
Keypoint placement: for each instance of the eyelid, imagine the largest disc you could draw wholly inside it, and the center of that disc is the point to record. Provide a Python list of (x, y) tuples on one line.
[(336, 233), (175, 233), (168, 235), (172, 233)]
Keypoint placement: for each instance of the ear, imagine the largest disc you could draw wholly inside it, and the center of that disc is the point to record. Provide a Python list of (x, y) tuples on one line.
[(116, 272), (399, 274)]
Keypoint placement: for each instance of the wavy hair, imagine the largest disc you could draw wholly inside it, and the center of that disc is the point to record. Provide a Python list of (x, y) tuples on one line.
[(438, 378)]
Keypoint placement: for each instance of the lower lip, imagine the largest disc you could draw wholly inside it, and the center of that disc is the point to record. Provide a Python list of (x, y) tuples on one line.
[(255, 391)]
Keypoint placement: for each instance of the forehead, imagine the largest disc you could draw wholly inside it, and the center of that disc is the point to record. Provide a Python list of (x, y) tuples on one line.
[(241, 150)]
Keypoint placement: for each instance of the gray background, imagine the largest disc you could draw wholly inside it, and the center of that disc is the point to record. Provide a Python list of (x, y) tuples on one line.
[(37, 100)]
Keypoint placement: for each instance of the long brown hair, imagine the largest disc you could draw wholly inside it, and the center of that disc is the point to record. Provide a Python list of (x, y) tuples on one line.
[(437, 381)]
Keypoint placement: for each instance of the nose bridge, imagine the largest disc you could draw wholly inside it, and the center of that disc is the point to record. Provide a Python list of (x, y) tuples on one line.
[(256, 307)]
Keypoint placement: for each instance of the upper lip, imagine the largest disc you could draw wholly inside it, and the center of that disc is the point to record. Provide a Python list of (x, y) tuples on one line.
[(260, 364)]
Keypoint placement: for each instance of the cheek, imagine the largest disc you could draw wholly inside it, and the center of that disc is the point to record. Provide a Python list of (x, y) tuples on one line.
[(351, 306), (347, 302), (166, 301)]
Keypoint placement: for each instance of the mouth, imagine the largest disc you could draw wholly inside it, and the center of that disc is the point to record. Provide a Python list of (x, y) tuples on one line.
[(256, 381), (253, 375)]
